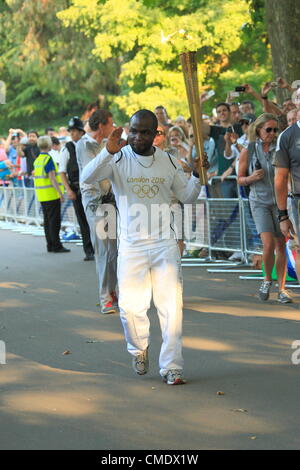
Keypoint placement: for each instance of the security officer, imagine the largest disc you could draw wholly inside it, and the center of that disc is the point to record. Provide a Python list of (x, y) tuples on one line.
[(69, 172), (49, 192)]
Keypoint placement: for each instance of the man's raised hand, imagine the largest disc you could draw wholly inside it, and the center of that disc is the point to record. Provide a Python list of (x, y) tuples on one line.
[(114, 142)]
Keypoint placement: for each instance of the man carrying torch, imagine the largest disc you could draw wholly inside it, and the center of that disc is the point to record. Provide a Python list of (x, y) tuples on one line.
[(149, 266)]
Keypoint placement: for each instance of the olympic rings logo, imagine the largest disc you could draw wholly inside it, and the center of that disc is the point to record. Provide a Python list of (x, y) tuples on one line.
[(145, 190)]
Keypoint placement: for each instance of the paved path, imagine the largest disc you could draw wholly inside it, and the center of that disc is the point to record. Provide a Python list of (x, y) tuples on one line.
[(91, 399)]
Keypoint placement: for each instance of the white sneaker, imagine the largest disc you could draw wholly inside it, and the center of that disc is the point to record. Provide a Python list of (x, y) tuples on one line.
[(264, 290), (174, 377), (284, 297), (140, 363)]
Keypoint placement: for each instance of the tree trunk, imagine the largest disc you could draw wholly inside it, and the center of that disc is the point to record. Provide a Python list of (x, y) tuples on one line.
[(282, 18)]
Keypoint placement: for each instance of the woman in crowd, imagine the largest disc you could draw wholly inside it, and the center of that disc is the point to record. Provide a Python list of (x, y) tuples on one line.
[(161, 141), (178, 140), (256, 171), (181, 122)]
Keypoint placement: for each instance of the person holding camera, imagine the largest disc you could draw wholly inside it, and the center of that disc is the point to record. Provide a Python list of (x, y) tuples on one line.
[(256, 170), (217, 132), (14, 136)]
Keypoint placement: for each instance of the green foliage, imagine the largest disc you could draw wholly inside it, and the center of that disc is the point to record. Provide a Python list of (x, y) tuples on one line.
[(147, 37), (57, 56), (47, 68)]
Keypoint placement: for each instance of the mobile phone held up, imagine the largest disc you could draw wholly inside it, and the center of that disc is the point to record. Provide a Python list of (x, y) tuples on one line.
[(209, 94), (240, 89)]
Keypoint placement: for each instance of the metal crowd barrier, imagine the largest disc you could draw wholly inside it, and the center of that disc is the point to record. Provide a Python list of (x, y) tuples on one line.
[(20, 206), (228, 226), (217, 224)]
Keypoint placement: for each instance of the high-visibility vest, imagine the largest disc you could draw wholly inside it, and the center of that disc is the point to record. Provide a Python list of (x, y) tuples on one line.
[(45, 191)]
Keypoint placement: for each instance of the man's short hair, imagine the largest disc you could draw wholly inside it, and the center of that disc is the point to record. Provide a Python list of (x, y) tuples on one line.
[(100, 116), (160, 107), (145, 113), (33, 132), (163, 108), (249, 102), (55, 140), (223, 104)]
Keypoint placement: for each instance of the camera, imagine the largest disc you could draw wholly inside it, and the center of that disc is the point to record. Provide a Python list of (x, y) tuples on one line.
[(240, 88)]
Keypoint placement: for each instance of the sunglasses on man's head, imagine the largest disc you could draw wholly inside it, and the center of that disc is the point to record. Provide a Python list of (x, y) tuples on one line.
[(270, 129)]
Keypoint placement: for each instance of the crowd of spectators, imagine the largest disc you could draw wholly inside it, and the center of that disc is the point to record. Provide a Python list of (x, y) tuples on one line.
[(19, 150), (225, 135)]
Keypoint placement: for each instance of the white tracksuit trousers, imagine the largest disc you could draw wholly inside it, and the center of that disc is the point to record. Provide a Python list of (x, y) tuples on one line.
[(144, 273), (105, 255)]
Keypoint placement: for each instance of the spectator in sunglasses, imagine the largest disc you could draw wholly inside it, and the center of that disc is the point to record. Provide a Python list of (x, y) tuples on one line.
[(256, 170)]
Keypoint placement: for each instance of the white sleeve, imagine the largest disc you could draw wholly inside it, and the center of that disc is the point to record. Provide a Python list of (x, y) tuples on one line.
[(234, 153), (64, 158), (185, 190), (98, 169)]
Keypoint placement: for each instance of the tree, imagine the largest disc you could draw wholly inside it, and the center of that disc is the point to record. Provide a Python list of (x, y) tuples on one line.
[(283, 28), (147, 37), (56, 56), (46, 67)]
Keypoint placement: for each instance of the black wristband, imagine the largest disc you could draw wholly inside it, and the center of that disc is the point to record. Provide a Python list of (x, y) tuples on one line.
[(282, 218), (282, 212), (264, 97)]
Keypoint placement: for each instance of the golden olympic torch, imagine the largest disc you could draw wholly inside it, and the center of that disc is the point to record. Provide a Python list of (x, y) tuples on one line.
[(189, 68)]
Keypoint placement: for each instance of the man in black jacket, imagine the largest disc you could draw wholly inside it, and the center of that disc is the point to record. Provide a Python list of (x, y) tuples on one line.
[(31, 151), (69, 172)]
